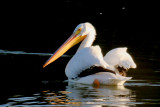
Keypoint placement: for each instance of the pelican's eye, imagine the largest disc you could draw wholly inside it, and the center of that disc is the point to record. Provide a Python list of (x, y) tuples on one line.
[(78, 31)]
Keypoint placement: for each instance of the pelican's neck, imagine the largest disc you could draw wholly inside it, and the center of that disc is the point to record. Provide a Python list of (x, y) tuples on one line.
[(88, 41)]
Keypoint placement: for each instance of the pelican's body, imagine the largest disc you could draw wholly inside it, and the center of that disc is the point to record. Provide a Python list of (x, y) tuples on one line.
[(87, 56)]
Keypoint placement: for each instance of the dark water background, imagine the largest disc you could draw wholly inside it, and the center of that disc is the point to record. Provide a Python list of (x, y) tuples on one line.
[(24, 82), (30, 31)]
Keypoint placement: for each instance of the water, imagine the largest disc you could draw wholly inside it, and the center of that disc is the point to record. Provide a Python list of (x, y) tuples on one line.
[(27, 83)]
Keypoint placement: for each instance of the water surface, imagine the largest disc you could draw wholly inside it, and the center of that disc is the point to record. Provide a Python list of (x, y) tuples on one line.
[(27, 83)]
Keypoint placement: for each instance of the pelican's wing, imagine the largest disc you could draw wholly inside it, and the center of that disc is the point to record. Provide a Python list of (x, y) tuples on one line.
[(119, 57), (84, 59)]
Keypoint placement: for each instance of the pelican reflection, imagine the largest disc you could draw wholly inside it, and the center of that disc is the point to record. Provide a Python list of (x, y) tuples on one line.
[(103, 95)]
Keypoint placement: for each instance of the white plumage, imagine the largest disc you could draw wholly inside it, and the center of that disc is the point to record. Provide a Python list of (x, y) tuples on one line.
[(88, 55), (105, 78), (83, 59), (119, 57)]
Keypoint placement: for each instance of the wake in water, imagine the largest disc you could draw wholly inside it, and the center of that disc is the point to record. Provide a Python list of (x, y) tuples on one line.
[(6, 52)]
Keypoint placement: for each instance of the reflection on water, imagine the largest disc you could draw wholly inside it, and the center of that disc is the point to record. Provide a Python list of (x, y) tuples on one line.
[(142, 90), (132, 94), (79, 95), (104, 95)]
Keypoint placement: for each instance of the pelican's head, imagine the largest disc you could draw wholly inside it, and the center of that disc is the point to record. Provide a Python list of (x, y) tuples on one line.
[(85, 29), (79, 34)]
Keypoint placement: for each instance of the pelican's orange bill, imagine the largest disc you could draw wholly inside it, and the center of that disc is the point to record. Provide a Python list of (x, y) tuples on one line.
[(70, 42)]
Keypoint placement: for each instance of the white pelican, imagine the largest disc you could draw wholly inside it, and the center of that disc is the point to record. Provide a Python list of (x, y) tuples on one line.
[(88, 65)]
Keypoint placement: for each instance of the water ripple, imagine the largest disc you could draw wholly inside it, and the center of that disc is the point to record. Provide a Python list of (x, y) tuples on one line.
[(6, 52)]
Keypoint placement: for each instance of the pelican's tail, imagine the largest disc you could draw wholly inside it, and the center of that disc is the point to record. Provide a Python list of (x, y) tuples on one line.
[(122, 77), (120, 80)]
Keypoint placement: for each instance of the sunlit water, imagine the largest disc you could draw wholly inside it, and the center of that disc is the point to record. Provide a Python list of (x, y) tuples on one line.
[(142, 90)]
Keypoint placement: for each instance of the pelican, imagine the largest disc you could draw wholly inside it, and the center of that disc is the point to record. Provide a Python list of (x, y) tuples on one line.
[(88, 65)]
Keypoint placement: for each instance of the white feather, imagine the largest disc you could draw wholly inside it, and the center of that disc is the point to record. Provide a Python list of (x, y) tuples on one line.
[(83, 59), (119, 57), (105, 78), (88, 55)]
